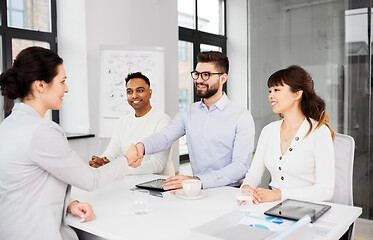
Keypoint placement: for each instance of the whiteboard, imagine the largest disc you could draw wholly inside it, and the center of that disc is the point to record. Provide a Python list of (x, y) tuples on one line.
[(116, 64)]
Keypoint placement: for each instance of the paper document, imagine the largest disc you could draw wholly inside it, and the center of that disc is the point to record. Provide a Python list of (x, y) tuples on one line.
[(243, 232), (321, 228), (273, 224)]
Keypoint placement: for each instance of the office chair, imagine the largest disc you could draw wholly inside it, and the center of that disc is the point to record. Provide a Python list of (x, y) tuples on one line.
[(344, 149)]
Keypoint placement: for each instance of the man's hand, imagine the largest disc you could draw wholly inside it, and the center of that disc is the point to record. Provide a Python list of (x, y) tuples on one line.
[(98, 162), (267, 195), (174, 183), (133, 158), (140, 149), (81, 209)]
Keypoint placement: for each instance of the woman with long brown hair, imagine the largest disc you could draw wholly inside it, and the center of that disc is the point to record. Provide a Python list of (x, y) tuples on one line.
[(298, 149), (37, 166)]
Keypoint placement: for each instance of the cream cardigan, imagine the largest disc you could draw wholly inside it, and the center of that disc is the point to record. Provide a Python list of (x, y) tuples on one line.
[(305, 171)]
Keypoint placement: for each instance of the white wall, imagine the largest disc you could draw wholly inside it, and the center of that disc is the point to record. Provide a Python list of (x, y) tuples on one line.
[(2, 107), (237, 51), (140, 23), (71, 27), (143, 23)]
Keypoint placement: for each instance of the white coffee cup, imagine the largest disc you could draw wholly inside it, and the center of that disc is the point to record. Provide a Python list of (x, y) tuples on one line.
[(191, 187)]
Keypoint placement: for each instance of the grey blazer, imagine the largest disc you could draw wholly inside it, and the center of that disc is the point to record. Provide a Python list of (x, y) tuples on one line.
[(36, 168)]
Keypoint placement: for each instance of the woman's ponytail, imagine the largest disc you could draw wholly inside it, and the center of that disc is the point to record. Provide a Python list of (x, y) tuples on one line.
[(31, 64), (12, 85)]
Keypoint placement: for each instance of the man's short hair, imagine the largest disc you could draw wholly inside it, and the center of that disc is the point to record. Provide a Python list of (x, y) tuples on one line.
[(220, 60), (137, 75)]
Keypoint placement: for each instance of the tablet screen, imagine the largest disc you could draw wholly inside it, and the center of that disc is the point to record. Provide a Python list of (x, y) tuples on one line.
[(153, 184), (295, 210)]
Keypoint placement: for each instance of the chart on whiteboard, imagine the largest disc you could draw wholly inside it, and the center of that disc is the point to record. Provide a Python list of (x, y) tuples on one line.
[(116, 64)]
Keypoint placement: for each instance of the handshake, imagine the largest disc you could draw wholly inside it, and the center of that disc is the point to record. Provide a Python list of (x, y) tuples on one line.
[(134, 156)]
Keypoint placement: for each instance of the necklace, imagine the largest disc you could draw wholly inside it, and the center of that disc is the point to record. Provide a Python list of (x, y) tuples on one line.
[(288, 134), (285, 137)]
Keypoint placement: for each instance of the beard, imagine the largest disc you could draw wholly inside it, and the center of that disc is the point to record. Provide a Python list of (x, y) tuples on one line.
[(210, 91)]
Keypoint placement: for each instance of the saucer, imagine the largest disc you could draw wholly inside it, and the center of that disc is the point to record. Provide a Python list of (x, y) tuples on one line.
[(181, 194)]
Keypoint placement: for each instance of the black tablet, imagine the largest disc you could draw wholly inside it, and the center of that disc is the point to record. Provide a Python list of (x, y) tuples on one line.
[(152, 185), (295, 210)]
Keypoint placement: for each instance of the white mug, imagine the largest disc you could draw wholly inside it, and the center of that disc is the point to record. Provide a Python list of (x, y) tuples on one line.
[(191, 187)]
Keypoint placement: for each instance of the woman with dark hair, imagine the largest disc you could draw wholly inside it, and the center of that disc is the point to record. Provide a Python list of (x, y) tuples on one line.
[(37, 166), (298, 149)]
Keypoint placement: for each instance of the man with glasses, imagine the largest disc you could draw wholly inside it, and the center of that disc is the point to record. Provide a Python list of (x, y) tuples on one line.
[(219, 133)]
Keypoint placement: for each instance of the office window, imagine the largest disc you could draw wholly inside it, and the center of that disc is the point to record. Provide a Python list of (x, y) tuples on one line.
[(19, 44), (185, 84), (185, 81), (29, 14), (1, 70), (16, 13), (186, 13), (201, 28), (25, 23), (206, 47), (211, 16)]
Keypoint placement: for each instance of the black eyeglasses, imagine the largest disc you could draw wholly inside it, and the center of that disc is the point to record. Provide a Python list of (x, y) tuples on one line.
[(204, 75)]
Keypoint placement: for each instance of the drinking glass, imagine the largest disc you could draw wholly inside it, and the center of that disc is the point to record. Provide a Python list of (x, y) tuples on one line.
[(244, 199), (140, 201)]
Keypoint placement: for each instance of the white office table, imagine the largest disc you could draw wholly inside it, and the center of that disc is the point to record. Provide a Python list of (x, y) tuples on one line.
[(173, 218)]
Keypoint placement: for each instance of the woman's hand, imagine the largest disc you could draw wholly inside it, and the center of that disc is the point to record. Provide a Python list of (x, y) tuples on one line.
[(81, 209), (134, 160), (256, 198), (267, 195)]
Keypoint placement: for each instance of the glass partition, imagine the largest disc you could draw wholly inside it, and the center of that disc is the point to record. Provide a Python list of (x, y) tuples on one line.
[(331, 40)]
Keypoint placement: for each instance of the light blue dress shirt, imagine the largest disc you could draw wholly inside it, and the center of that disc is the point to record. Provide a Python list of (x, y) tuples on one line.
[(220, 140)]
